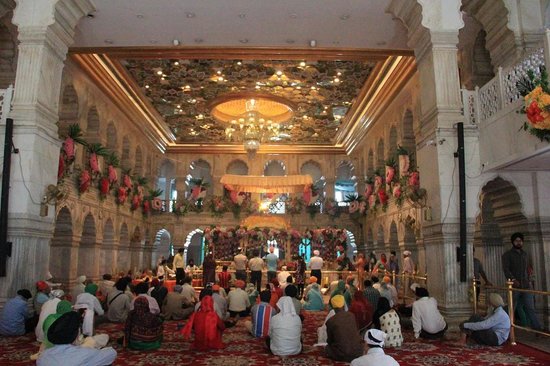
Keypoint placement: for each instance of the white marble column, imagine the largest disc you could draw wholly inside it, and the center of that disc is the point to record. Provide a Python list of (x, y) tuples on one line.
[(45, 30)]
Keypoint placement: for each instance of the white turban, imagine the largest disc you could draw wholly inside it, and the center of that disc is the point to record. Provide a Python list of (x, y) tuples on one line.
[(81, 279), (316, 252), (407, 252), (58, 293), (375, 337)]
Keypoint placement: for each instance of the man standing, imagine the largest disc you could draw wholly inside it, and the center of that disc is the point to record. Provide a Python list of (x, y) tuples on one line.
[(517, 268), (240, 261), (408, 268), (179, 265), (256, 265), (272, 261), (316, 264)]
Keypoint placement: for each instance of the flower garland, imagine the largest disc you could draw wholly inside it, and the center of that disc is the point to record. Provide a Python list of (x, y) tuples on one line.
[(536, 95)]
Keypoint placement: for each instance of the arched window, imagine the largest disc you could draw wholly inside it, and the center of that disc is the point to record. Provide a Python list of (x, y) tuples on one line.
[(346, 183), (313, 169), (200, 169), (380, 160), (166, 182), (304, 249), (237, 167)]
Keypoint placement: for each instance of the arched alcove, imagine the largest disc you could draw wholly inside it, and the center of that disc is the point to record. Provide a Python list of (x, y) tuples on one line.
[(380, 158), (166, 180), (125, 162), (107, 260), (370, 163), (409, 140), (200, 169), (138, 162), (237, 167), (274, 168), (61, 247), (123, 260), (92, 125), (393, 239), (162, 245), (112, 138), (380, 243), (346, 182), (136, 250), (392, 149), (313, 169), (88, 253), (68, 110)]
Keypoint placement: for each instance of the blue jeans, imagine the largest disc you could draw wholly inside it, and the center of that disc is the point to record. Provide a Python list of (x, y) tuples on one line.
[(528, 301)]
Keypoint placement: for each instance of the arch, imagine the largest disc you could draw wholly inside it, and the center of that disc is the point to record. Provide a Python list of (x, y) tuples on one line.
[(193, 247), (166, 180), (125, 162), (380, 237), (393, 240), (273, 168), (351, 244), (501, 214), (237, 167), (68, 109), (409, 140), (112, 137), (136, 250), (149, 167), (123, 262), (138, 162), (392, 149), (370, 163), (107, 252), (200, 169), (346, 182), (8, 51), (409, 239), (61, 246), (92, 126), (162, 246), (312, 168), (380, 159), (87, 256)]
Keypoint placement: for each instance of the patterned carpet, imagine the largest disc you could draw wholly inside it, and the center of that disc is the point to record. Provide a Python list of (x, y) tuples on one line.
[(241, 349)]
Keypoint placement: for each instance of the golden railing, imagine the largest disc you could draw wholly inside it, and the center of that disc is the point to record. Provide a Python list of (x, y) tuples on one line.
[(509, 290)]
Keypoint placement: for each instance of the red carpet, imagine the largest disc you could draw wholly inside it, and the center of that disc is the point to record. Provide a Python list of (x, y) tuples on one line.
[(241, 349)]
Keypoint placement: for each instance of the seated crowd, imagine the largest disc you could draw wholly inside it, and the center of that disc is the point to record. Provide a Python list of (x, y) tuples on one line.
[(65, 324)]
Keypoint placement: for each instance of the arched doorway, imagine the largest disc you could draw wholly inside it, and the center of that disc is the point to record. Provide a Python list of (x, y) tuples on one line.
[(136, 250), (61, 247), (107, 259), (162, 246), (88, 258), (194, 247), (123, 262)]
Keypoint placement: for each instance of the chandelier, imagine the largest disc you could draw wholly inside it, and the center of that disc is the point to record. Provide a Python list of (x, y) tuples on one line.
[(253, 118)]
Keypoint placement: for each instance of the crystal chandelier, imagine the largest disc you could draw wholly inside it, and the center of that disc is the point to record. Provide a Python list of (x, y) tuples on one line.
[(253, 118)]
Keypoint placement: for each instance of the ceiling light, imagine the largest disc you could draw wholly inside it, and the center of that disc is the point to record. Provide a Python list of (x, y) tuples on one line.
[(159, 72), (190, 14), (146, 86), (239, 63), (176, 63), (313, 43), (302, 64), (176, 42)]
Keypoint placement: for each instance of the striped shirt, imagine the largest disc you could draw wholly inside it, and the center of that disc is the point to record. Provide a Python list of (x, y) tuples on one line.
[(261, 316)]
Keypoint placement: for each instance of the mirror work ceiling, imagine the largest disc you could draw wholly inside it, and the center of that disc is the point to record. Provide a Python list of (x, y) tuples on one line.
[(181, 90), (332, 95)]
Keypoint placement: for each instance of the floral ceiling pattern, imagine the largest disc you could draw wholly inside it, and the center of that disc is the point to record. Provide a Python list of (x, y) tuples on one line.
[(180, 90)]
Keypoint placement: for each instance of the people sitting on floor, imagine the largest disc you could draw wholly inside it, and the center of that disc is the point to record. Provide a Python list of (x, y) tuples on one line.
[(141, 291), (91, 305), (188, 291), (207, 325), (176, 306), (388, 291), (322, 330), (238, 301), (311, 280), (285, 330), (261, 315), (78, 287), (343, 340), (220, 303), (313, 297), (276, 292), (143, 329), (339, 290), (362, 310), (48, 308), (493, 330), (62, 333), (371, 294), (16, 318), (42, 295), (61, 308), (427, 321), (106, 285), (158, 291), (118, 302), (292, 292), (375, 355), (375, 282), (350, 289), (387, 320), (252, 292), (282, 277), (224, 278)]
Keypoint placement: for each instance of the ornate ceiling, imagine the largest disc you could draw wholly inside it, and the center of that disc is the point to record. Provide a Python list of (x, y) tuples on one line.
[(334, 94), (181, 90)]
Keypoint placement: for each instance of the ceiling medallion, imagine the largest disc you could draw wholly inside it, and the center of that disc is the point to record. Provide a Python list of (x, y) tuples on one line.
[(253, 118)]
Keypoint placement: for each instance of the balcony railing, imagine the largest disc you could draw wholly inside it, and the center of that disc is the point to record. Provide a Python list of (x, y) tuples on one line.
[(501, 92)]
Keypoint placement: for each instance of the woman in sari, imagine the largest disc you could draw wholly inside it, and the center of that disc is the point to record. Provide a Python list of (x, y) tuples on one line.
[(143, 330), (314, 299), (207, 325)]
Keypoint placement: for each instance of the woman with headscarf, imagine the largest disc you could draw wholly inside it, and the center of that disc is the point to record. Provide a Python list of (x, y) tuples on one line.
[(314, 298), (387, 320), (381, 266), (363, 311), (143, 330), (285, 330), (207, 325), (340, 290)]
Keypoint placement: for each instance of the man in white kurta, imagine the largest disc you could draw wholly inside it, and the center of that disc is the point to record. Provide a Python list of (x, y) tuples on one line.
[(426, 318), (285, 329), (375, 355)]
